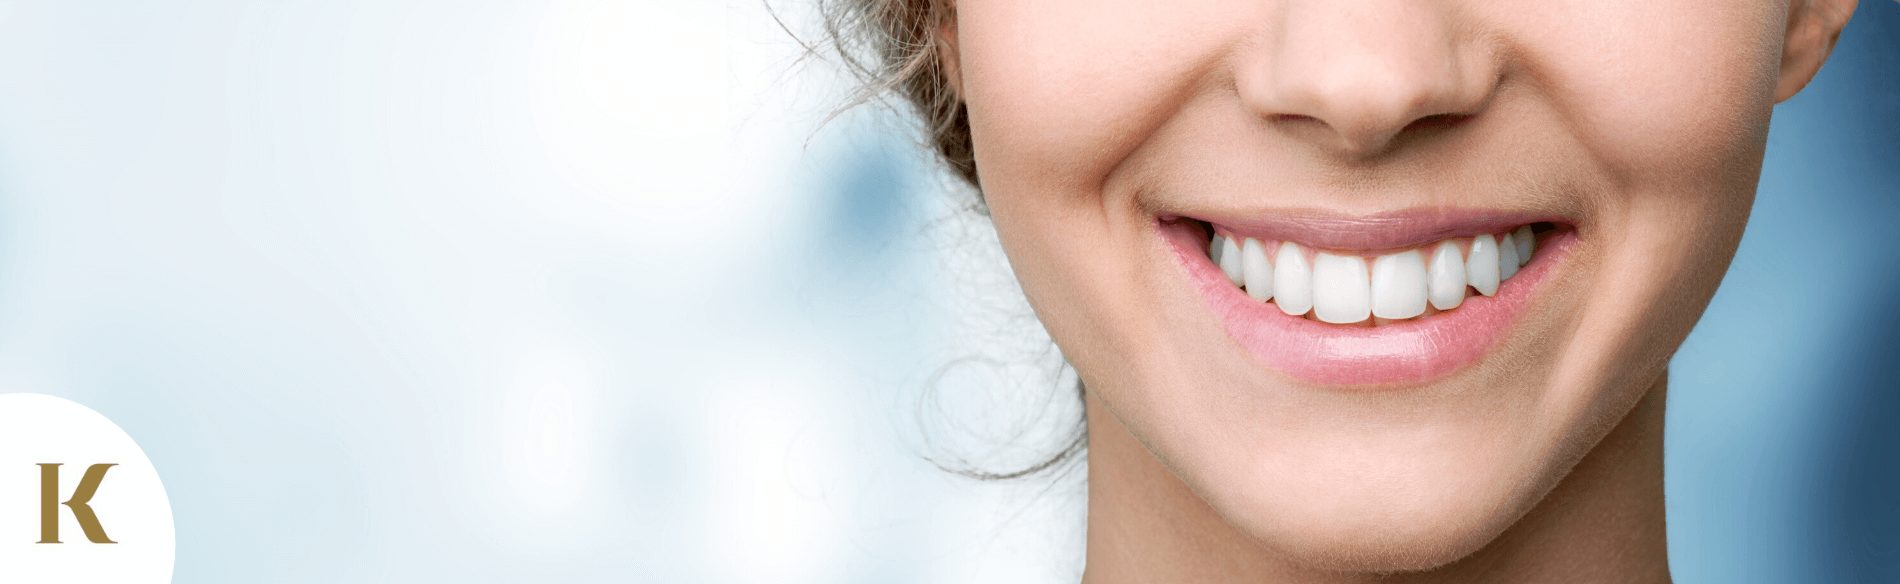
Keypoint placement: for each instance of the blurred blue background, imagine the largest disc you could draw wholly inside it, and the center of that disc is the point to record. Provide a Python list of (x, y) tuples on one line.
[(572, 290), (1783, 446)]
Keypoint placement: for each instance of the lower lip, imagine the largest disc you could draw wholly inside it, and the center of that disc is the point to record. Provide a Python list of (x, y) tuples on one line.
[(1408, 352)]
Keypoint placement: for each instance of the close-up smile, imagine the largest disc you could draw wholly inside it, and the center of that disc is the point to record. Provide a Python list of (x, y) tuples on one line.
[(1396, 300), (1369, 291)]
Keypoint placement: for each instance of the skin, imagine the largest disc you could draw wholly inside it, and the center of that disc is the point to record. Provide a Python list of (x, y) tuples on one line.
[(1642, 120)]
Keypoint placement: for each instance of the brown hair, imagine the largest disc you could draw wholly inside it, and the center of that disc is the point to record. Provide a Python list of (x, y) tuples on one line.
[(895, 46)]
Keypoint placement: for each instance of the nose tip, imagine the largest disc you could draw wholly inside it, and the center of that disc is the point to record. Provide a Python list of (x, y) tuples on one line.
[(1351, 78), (1363, 112)]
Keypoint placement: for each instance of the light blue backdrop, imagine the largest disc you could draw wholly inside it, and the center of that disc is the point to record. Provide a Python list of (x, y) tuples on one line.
[(1783, 448)]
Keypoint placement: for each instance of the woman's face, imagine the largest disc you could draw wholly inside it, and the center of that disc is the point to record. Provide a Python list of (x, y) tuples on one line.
[(1365, 392)]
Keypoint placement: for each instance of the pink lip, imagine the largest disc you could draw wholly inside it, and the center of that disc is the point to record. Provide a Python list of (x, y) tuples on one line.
[(1407, 352), (1382, 231)]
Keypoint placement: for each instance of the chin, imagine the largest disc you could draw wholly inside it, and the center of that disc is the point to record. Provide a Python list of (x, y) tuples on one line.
[(1351, 496), (1352, 524)]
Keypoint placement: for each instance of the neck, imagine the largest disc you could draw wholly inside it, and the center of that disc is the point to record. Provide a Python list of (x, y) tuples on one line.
[(1602, 523)]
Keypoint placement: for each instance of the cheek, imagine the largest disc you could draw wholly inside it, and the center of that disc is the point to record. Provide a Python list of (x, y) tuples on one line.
[(1669, 101), (1060, 91), (1656, 89)]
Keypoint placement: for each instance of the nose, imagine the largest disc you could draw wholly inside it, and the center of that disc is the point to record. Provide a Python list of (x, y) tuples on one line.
[(1350, 76)]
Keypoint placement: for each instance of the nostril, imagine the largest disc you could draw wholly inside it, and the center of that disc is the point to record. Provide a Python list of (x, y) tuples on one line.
[(1426, 127), (1436, 122), (1298, 120)]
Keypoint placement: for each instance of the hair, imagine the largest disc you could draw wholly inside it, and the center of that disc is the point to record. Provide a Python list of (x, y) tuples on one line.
[(897, 47)]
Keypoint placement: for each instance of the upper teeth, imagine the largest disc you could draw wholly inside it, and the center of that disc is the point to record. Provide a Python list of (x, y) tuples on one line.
[(1340, 288)]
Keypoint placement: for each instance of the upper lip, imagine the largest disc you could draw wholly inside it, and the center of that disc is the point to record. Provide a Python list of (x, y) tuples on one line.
[(1380, 231)]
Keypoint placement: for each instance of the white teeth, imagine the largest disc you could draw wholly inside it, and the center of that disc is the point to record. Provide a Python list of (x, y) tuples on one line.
[(1230, 261), (1292, 280), (1481, 265), (1348, 288), (1341, 290), (1507, 257), (1258, 273), (1447, 288), (1526, 243), (1398, 285)]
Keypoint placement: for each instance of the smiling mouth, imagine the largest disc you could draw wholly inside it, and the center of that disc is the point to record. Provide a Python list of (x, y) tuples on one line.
[(1391, 300), (1344, 287)]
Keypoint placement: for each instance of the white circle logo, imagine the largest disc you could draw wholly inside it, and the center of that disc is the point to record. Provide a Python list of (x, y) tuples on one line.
[(79, 501)]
